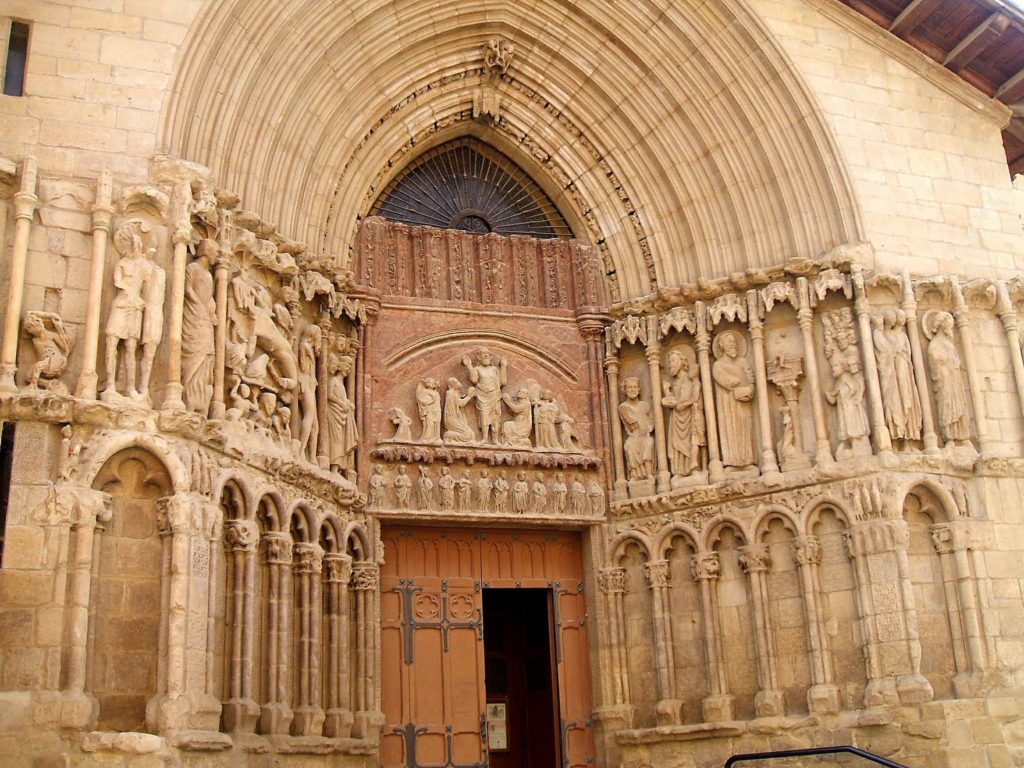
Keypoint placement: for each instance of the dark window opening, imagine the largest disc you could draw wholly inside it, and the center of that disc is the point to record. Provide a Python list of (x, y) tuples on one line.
[(6, 460), (17, 57)]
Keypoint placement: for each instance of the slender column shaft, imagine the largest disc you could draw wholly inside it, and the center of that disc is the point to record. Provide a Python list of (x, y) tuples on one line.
[(950, 590), (805, 318), (1011, 325), (25, 202), (80, 591), (165, 600), (323, 438), (807, 552), (716, 471), (611, 363), (769, 462), (102, 212), (909, 306), (653, 352), (181, 236), (862, 306), (220, 333), (657, 574), (963, 325)]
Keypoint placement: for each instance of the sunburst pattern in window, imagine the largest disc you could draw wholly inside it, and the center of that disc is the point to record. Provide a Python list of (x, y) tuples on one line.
[(465, 184)]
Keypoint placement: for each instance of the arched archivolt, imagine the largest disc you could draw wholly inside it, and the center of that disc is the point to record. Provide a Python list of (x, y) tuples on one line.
[(936, 500), (774, 512), (621, 543), (235, 503), (357, 538), (717, 525), (689, 145), (270, 512), (303, 523), (668, 535), (94, 460), (813, 510)]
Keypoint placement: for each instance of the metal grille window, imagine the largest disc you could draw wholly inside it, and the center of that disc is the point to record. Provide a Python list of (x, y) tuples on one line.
[(468, 185)]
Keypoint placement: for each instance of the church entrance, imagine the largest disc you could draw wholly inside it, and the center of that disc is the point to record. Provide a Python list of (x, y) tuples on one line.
[(484, 650)]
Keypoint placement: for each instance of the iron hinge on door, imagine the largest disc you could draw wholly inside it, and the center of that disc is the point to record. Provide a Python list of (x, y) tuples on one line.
[(461, 617)]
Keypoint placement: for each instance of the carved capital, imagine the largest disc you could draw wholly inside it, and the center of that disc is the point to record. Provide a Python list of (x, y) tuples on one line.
[(77, 507), (308, 558), (612, 581), (365, 576), (957, 536), (807, 550), (658, 573), (175, 515), (755, 558), (942, 539), (240, 535), (877, 536), (338, 567), (705, 567), (277, 548)]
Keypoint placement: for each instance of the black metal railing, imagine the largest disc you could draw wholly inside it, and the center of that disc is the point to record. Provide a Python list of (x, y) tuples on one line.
[(783, 754)]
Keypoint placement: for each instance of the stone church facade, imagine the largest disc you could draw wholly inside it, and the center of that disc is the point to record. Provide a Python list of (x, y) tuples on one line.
[(499, 384)]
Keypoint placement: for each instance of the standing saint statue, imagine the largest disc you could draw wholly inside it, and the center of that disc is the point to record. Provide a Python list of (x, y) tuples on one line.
[(734, 382), (847, 394), (947, 380), (901, 403), (198, 320), (638, 422), (546, 416), (424, 488), (310, 344), (341, 418), (488, 379), (428, 404), (124, 322), (686, 434), (456, 426)]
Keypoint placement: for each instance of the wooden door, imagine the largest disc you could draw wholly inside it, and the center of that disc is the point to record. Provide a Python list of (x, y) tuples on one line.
[(432, 653)]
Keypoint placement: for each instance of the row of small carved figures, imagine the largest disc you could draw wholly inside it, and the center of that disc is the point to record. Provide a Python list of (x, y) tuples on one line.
[(497, 494)]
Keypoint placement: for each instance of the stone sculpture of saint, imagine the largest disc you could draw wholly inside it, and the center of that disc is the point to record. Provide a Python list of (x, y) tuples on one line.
[(403, 424), (901, 403), (341, 417), (310, 345), (501, 489), (847, 394), (947, 380), (595, 493), (446, 484), (198, 321), (734, 387), (124, 323), (686, 434), (484, 486), (638, 423), (488, 380), (428, 404), (539, 495), (403, 487), (463, 491), (520, 494), (424, 489), (546, 416), (375, 496), (559, 493), (456, 425), (516, 433), (578, 496)]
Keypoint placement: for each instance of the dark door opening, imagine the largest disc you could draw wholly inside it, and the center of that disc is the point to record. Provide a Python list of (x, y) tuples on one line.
[(522, 695)]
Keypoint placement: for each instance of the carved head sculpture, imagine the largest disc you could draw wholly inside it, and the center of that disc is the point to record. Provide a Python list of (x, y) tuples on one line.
[(378, 469), (401, 469), (681, 360), (631, 387), (445, 471), (128, 238), (483, 356), (455, 384), (206, 252), (729, 344), (559, 477)]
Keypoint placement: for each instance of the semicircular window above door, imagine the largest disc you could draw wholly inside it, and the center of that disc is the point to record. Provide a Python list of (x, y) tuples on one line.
[(466, 184)]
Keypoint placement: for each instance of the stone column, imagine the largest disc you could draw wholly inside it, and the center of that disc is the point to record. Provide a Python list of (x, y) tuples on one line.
[(323, 448), (924, 392), (220, 333), (591, 328), (769, 462), (823, 695), (338, 717), (309, 714), (102, 211), (717, 705), (805, 318), (658, 574), (91, 509), (25, 202), (275, 713), (862, 306), (716, 471), (879, 551), (962, 316), (611, 364), (1011, 325), (181, 235), (367, 718), (240, 709), (954, 541), (653, 353), (612, 583), (768, 702)]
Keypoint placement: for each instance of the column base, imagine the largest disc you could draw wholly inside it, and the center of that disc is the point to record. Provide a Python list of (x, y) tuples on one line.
[(967, 685), (367, 725), (240, 715), (716, 471), (87, 385), (614, 717), (669, 712), (641, 488), (172, 397), (880, 692), (276, 718), (7, 382), (914, 689), (338, 723), (308, 721), (205, 713), (824, 699), (167, 714), (619, 492), (664, 482), (79, 711), (769, 703), (717, 708)]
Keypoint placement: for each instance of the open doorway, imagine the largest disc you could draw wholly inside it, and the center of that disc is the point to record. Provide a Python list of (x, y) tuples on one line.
[(520, 679)]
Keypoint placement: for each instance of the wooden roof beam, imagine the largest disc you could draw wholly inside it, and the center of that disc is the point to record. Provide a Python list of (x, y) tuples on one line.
[(911, 16), (1012, 90), (977, 41)]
